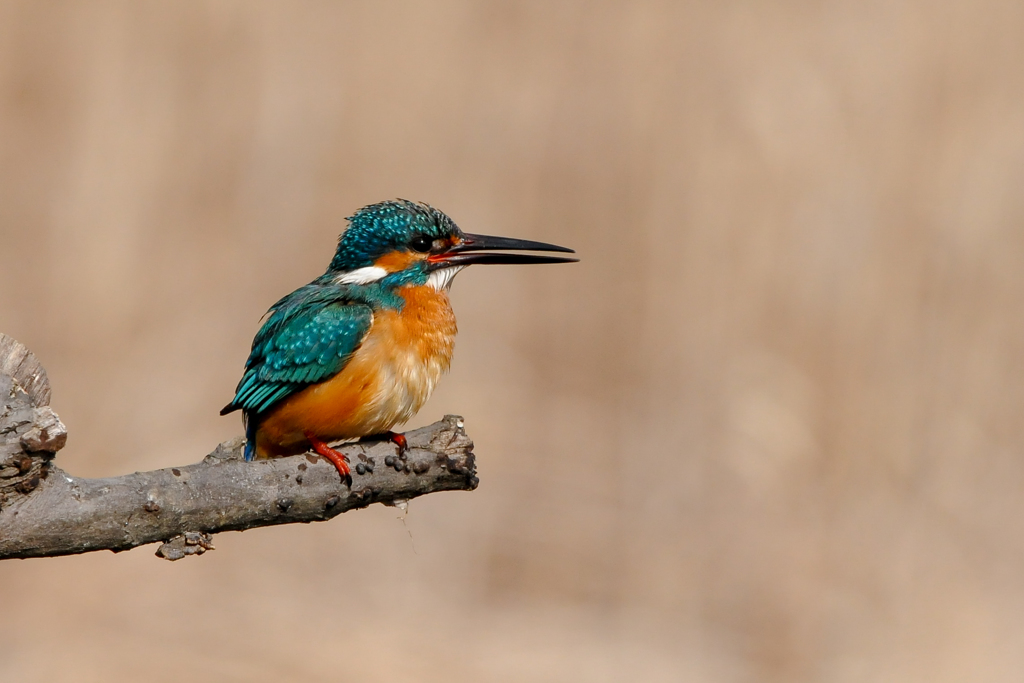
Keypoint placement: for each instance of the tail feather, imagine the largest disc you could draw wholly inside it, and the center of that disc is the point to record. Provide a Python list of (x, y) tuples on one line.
[(250, 439)]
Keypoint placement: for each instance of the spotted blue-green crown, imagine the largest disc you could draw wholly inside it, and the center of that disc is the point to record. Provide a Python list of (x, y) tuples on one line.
[(380, 228)]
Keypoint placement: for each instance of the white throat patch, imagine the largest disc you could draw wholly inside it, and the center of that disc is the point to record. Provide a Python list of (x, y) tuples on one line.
[(442, 278), (361, 276)]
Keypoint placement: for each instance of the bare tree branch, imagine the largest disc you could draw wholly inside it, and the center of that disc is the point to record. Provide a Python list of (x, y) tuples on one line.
[(46, 512)]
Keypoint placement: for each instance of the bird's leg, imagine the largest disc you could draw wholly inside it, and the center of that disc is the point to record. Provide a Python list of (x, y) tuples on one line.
[(399, 440), (337, 459), (396, 438)]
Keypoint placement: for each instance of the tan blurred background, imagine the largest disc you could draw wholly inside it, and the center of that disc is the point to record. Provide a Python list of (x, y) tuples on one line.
[(769, 429)]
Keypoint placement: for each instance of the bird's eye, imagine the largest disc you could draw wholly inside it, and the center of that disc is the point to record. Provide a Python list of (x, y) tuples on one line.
[(421, 243)]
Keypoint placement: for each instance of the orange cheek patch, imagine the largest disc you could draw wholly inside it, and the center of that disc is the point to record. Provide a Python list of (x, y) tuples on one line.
[(448, 243), (397, 261)]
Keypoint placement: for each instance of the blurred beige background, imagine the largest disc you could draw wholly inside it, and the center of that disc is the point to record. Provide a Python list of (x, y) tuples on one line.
[(770, 429)]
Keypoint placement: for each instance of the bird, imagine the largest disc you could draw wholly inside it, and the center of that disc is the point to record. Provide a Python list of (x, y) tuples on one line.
[(359, 349)]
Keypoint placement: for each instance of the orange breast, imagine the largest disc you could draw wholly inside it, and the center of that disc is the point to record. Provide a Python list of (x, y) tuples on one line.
[(385, 383)]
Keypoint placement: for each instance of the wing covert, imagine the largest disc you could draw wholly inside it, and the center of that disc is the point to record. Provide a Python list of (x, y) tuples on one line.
[(297, 347)]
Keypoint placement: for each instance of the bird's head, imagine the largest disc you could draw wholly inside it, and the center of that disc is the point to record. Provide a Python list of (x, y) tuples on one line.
[(406, 243)]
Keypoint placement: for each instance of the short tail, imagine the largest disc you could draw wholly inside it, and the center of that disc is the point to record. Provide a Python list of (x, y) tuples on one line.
[(250, 439)]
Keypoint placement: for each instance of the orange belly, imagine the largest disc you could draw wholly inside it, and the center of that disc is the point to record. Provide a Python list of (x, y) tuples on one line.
[(387, 380)]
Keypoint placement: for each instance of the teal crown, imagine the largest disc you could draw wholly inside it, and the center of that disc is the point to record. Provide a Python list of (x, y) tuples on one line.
[(378, 229)]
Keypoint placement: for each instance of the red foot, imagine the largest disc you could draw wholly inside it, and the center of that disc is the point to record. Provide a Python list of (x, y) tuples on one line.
[(336, 458), (399, 440)]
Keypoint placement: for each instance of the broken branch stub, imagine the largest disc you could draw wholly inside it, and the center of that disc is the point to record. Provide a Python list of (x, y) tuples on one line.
[(30, 432), (17, 362)]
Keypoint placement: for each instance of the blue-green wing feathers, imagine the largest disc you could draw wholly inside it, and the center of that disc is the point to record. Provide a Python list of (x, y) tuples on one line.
[(306, 340)]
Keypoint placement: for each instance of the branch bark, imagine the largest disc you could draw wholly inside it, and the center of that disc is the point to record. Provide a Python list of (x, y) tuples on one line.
[(45, 512)]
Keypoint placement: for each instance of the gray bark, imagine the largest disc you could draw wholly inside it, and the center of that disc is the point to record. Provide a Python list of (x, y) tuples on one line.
[(46, 512)]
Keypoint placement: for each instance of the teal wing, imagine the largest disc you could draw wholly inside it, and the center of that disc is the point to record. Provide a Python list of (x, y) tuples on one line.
[(304, 341)]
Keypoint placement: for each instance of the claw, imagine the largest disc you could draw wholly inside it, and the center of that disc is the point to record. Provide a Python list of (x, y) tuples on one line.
[(399, 440), (339, 460), (396, 438)]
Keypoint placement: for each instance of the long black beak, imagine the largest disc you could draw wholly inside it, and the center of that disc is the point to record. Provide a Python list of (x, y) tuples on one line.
[(475, 248)]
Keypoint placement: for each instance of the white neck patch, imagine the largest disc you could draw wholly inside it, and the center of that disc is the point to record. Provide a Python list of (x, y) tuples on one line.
[(442, 278), (361, 276)]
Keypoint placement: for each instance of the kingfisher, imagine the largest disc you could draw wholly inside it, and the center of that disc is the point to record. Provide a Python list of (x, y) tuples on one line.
[(359, 350)]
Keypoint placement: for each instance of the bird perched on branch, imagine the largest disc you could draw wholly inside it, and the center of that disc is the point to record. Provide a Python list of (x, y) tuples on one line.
[(359, 350)]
